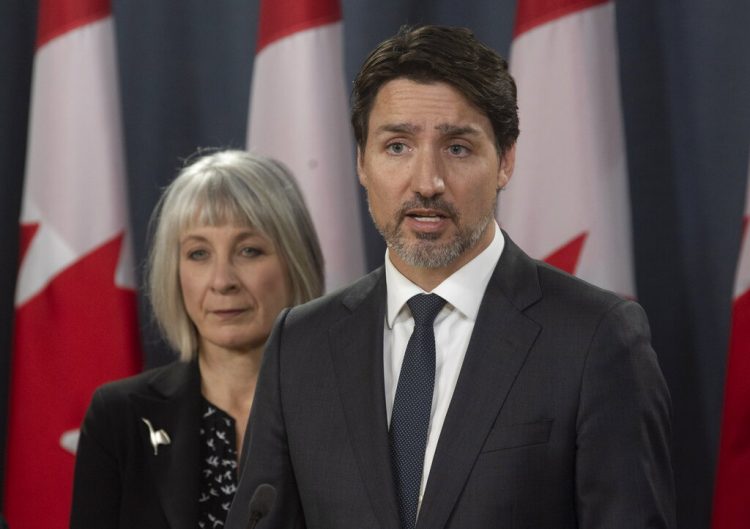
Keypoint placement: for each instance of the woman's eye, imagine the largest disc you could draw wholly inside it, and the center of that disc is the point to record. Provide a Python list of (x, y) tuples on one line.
[(396, 148), (197, 255), (250, 251)]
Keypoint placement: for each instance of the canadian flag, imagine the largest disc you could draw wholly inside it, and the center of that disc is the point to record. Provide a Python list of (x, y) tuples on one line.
[(568, 202), (299, 115), (75, 323), (732, 492)]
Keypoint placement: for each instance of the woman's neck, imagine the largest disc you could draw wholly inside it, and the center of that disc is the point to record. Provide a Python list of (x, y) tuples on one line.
[(228, 381)]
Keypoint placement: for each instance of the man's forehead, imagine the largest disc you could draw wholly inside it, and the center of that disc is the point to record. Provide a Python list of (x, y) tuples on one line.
[(403, 102)]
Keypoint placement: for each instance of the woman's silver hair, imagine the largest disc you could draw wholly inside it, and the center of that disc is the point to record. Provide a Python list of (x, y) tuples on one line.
[(229, 187)]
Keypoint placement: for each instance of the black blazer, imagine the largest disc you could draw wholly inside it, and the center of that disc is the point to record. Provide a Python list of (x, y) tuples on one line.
[(560, 417), (119, 481)]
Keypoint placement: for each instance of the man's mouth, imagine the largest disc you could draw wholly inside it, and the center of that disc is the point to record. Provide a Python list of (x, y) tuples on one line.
[(426, 220), (426, 215)]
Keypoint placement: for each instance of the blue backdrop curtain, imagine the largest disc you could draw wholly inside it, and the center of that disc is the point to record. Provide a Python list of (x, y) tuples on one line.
[(185, 69)]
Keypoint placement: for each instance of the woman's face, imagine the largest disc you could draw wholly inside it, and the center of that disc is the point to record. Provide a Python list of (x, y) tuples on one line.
[(234, 284)]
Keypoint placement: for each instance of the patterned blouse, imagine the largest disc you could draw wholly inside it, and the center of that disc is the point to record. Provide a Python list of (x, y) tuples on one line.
[(218, 466)]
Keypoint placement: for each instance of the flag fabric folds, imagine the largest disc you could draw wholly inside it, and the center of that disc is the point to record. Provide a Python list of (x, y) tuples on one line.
[(299, 115), (568, 201), (731, 508), (75, 322)]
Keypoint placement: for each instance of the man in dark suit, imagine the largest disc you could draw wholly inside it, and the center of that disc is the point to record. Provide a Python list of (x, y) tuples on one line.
[(462, 384)]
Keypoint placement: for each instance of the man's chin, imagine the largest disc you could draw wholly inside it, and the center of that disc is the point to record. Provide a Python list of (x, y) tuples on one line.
[(426, 252), (427, 236)]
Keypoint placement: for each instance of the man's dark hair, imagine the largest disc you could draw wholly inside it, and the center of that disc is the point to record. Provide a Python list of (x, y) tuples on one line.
[(430, 54)]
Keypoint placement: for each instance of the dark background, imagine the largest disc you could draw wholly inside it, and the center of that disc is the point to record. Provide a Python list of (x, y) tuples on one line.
[(185, 69)]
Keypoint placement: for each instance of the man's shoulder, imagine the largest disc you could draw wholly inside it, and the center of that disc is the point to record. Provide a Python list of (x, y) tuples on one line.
[(531, 282), (570, 299), (345, 299), (558, 282)]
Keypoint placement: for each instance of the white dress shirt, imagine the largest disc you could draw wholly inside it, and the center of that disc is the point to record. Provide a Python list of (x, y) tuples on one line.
[(463, 292)]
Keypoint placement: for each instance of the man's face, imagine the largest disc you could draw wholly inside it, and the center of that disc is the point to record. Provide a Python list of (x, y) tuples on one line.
[(432, 173)]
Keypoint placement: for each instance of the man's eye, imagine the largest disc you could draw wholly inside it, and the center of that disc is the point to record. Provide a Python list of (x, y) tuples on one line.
[(458, 150), (396, 148)]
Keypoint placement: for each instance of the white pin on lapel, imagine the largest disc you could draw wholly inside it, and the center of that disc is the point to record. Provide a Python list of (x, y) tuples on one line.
[(159, 437)]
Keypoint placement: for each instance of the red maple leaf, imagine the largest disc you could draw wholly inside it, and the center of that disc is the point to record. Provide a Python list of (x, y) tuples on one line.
[(27, 235), (566, 256), (81, 330)]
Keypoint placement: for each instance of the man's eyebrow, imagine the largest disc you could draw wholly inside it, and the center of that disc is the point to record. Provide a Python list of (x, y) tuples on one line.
[(445, 128), (457, 130), (407, 128)]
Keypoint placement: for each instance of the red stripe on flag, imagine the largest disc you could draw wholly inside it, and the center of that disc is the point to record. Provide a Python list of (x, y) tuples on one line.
[(533, 13), (731, 507), (281, 18), (566, 257), (57, 17)]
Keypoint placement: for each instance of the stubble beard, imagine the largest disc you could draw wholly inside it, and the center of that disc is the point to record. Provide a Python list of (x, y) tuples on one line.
[(426, 251)]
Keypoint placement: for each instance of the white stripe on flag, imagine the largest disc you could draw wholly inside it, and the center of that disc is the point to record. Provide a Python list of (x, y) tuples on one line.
[(299, 115), (75, 175), (571, 176)]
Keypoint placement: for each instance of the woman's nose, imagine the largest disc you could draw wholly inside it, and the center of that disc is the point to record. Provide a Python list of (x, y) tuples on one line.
[(225, 276)]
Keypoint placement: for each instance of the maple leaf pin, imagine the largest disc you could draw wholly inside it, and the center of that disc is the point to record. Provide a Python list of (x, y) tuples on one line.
[(159, 437)]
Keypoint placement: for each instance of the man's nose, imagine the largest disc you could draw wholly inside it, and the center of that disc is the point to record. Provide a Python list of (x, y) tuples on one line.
[(428, 178)]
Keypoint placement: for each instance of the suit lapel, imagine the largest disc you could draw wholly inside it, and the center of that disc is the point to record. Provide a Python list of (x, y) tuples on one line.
[(173, 405), (498, 347), (357, 354)]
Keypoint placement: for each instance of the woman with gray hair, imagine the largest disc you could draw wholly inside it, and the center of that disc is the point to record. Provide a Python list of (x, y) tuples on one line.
[(232, 245)]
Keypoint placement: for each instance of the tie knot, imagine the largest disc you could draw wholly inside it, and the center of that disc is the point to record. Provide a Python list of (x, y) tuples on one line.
[(425, 307)]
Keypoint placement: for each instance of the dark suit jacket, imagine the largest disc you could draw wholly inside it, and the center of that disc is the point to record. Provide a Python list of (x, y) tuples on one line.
[(560, 417), (119, 482)]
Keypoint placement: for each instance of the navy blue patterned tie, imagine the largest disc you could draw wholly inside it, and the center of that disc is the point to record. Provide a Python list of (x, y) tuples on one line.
[(410, 417)]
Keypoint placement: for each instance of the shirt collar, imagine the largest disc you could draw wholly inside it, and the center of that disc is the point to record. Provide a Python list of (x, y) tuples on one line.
[(464, 289)]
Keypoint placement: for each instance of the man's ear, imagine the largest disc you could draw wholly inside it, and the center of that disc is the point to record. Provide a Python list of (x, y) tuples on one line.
[(507, 164), (360, 167)]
